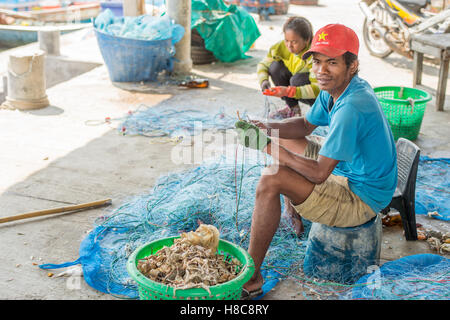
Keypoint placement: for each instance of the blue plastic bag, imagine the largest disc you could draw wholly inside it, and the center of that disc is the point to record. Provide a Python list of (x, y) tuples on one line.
[(143, 27)]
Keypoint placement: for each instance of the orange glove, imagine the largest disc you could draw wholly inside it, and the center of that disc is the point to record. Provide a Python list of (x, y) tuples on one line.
[(281, 91)]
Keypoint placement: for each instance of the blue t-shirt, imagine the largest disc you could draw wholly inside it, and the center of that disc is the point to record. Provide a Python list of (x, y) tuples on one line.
[(361, 139)]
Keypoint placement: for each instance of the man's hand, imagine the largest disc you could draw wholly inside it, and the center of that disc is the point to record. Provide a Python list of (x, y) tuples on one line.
[(260, 124), (265, 85), (281, 91), (264, 126), (250, 136)]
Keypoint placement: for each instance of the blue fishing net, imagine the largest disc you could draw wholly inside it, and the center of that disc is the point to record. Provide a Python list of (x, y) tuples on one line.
[(220, 193), (415, 277), (170, 121), (433, 187), (160, 121)]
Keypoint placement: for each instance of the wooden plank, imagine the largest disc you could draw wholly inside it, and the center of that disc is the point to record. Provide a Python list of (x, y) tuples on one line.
[(441, 40), (442, 85), (436, 45), (425, 48), (56, 210), (417, 68)]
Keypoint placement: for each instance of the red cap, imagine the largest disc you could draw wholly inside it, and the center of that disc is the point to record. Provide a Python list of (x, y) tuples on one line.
[(334, 40)]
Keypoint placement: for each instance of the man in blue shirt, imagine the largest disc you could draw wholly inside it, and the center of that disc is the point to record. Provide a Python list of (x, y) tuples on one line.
[(343, 180)]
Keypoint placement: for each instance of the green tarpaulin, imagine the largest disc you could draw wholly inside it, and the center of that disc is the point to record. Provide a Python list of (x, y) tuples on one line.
[(229, 31)]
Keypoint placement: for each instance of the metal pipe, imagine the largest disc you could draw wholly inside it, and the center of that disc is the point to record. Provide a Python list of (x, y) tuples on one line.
[(366, 11)]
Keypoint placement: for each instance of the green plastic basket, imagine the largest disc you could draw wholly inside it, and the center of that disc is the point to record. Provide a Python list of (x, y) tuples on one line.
[(152, 290), (404, 109)]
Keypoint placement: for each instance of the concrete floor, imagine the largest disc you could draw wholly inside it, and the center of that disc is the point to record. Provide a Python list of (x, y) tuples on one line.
[(54, 157)]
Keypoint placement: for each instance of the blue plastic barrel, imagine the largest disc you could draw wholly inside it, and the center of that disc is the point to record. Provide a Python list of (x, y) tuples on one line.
[(343, 255), (133, 60)]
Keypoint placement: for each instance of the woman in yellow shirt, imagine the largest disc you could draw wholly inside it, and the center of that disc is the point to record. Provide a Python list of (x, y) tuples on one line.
[(290, 74)]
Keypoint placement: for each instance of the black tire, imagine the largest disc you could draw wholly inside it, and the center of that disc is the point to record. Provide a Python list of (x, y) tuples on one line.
[(200, 55), (196, 38), (374, 41)]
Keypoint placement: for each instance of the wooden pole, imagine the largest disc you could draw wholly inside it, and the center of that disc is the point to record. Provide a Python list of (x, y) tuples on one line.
[(56, 210)]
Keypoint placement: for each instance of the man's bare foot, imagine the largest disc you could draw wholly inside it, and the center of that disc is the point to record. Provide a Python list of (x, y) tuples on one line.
[(255, 282)]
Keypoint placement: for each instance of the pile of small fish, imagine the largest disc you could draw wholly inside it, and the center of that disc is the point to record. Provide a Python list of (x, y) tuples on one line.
[(185, 265)]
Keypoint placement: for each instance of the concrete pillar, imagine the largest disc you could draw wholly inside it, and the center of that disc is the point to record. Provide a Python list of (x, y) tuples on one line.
[(133, 8), (49, 41), (180, 12), (26, 81)]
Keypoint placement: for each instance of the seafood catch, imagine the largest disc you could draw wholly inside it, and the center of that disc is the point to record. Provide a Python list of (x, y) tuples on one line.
[(191, 262)]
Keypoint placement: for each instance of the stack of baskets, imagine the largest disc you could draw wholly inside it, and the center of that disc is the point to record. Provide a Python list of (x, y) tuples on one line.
[(152, 290), (404, 109)]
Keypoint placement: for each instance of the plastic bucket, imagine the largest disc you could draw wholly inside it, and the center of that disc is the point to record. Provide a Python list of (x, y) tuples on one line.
[(342, 255), (133, 60), (404, 109), (152, 290)]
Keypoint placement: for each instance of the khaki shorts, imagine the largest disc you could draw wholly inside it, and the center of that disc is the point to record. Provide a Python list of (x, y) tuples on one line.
[(332, 203)]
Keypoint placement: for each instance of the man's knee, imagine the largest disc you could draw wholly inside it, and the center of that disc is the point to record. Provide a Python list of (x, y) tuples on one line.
[(270, 180), (270, 172)]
